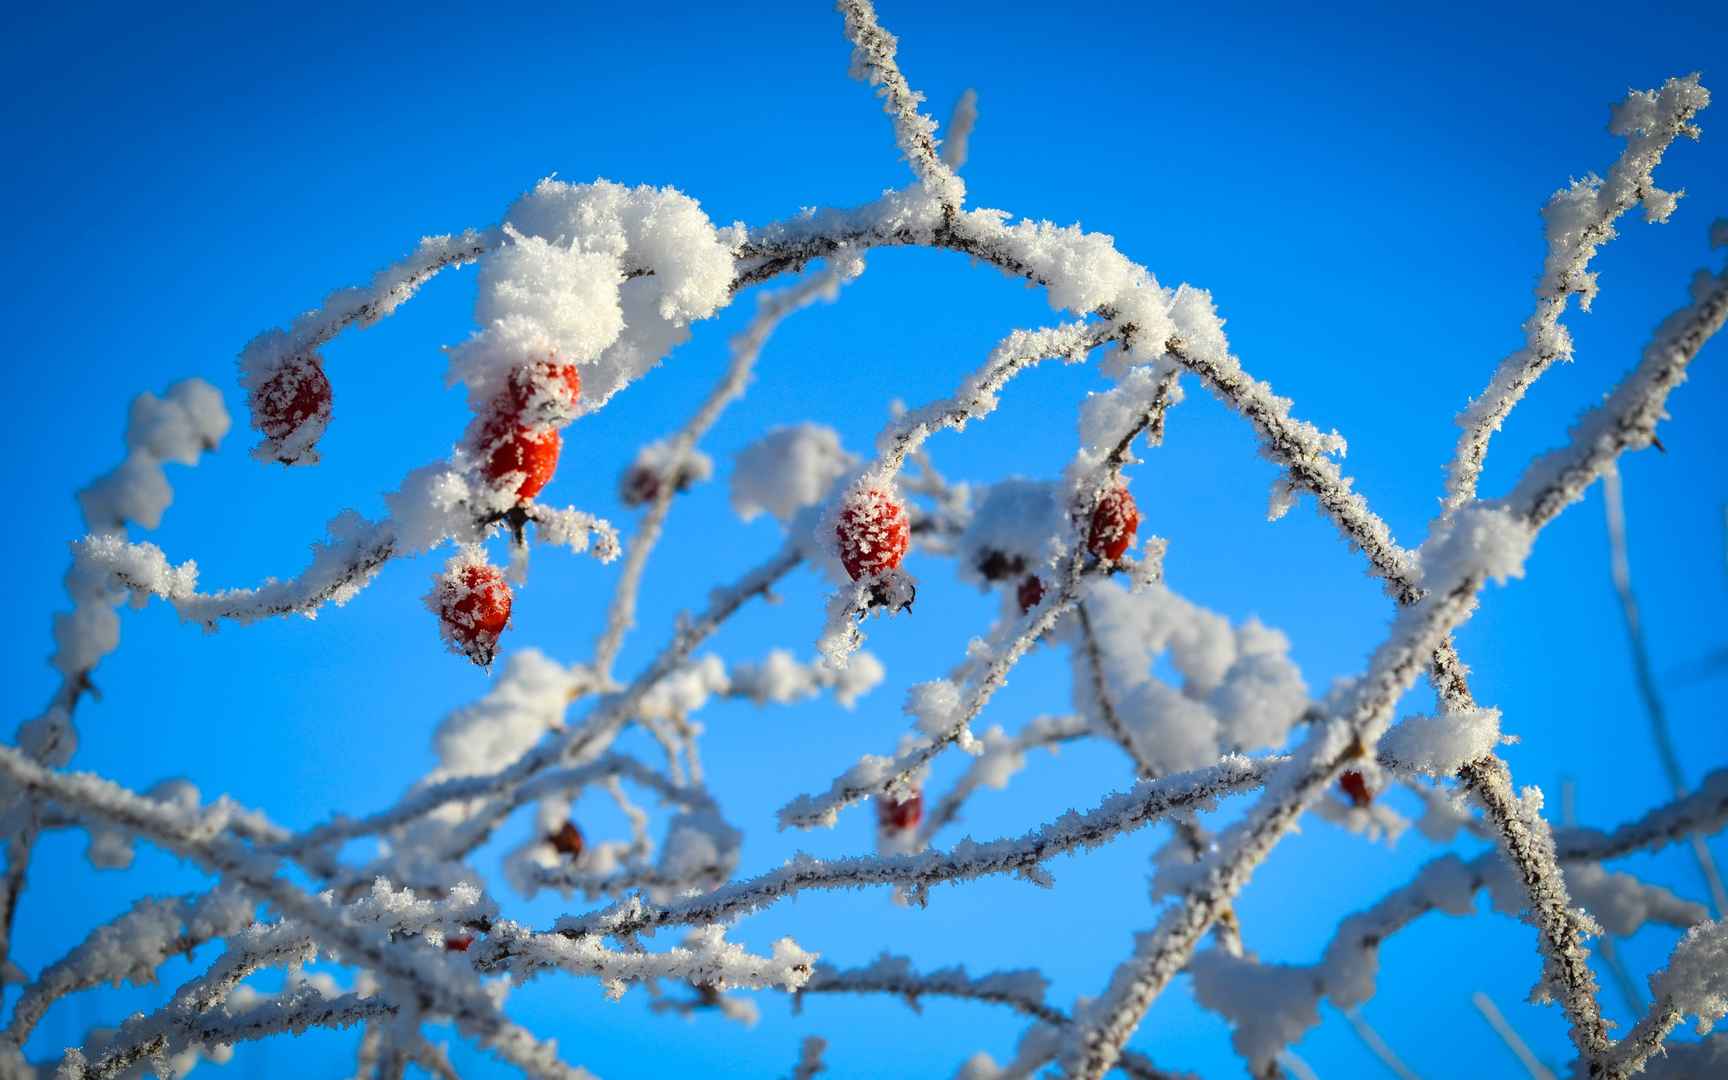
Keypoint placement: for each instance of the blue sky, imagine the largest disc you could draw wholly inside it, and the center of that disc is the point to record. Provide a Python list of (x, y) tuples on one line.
[(1358, 187)]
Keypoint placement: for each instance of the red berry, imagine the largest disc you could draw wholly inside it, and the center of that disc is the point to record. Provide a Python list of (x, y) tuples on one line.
[(1355, 785), (899, 816), (458, 943), (295, 394), (567, 840), (513, 447), (1114, 523), (873, 533), (473, 604), (1031, 591), (544, 390)]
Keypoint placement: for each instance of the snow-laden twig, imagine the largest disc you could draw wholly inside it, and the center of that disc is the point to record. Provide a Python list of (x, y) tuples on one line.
[(873, 51), (1023, 991), (706, 959), (364, 305), (342, 565), (1144, 804), (130, 947), (1580, 219), (200, 839)]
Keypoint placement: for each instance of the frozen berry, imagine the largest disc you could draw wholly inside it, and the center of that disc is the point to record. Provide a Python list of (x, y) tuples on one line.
[(567, 840), (1114, 523), (472, 600), (900, 816), (1355, 785), (873, 533), (458, 942), (1031, 591), (512, 448), (544, 391), (296, 395)]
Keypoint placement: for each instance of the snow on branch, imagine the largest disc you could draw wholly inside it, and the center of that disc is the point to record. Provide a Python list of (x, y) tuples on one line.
[(1146, 803), (1579, 219)]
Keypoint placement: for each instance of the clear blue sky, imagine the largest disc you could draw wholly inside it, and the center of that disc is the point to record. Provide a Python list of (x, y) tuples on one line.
[(1357, 187)]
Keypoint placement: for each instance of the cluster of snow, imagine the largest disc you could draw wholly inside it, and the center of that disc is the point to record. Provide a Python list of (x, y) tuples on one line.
[(1270, 1005), (1695, 982), (1477, 542), (786, 470), (1019, 527), (600, 275), (1442, 744), (1239, 691), (781, 680), (1579, 219), (525, 702)]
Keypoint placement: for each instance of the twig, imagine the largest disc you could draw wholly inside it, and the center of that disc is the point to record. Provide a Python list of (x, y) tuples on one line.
[(1490, 1013), (1660, 734)]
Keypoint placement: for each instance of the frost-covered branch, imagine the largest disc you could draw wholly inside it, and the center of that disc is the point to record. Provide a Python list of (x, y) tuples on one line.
[(1023, 991), (199, 839), (1146, 803), (1580, 219)]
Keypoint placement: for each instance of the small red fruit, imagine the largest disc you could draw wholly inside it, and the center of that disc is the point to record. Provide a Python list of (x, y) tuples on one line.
[(1031, 591), (544, 390), (900, 816), (513, 447), (473, 604), (567, 840), (1355, 785), (1114, 523), (873, 533), (458, 943), (295, 394)]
